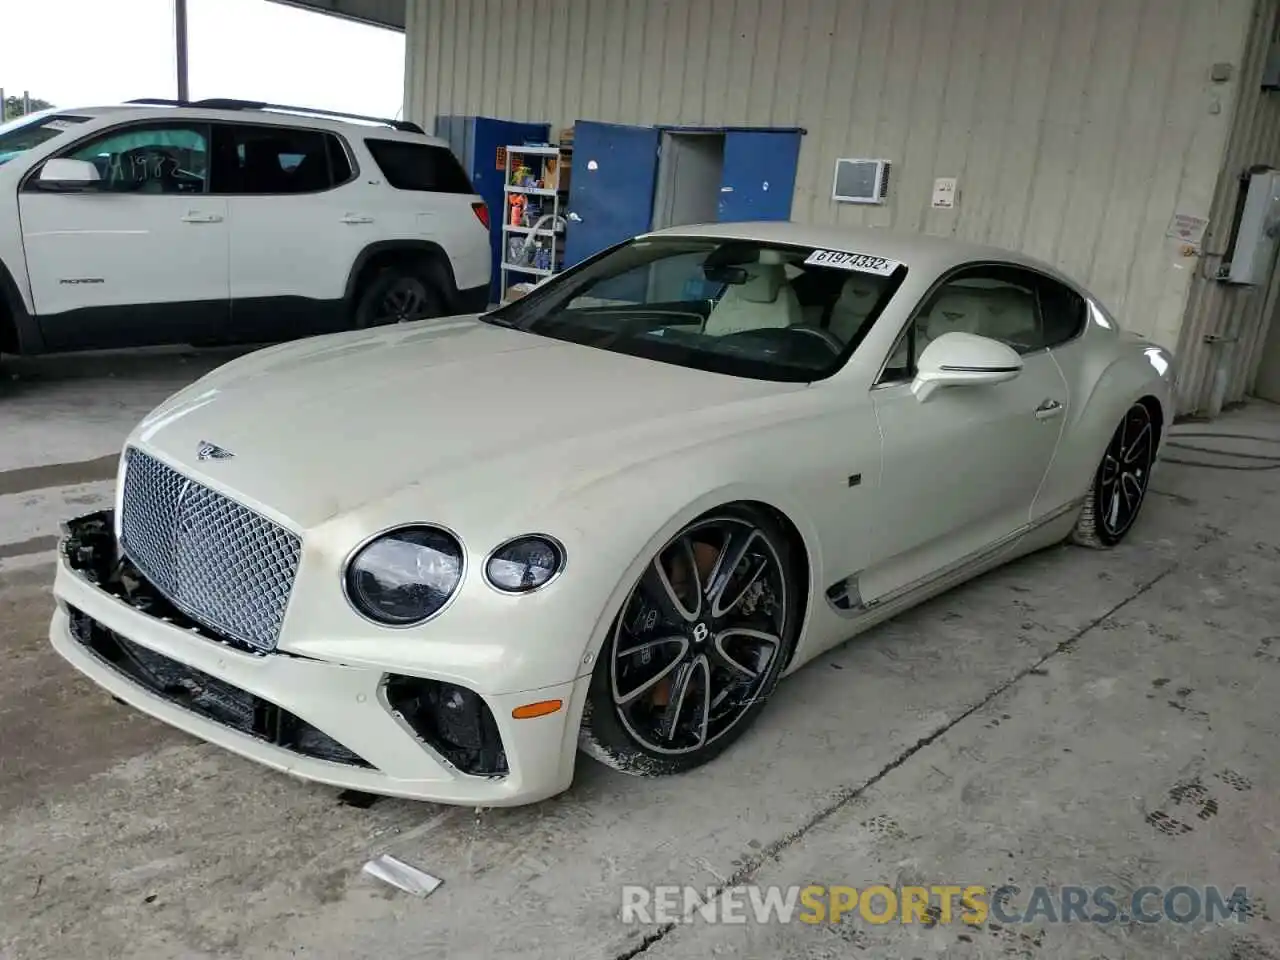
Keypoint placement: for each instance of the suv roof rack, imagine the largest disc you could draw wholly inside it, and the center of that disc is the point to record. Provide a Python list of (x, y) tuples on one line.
[(222, 103)]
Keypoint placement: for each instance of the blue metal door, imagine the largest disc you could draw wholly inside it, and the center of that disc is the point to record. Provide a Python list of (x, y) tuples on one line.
[(759, 174), (611, 186), (478, 142)]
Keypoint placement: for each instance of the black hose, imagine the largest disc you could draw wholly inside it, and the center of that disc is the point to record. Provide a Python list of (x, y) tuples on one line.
[(1225, 453), (1218, 466), (1223, 436), (1269, 462)]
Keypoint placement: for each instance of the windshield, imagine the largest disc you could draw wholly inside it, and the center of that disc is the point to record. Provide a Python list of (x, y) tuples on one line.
[(19, 136), (744, 308)]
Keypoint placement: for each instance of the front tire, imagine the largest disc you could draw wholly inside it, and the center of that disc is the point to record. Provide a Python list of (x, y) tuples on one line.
[(697, 648), (1120, 484)]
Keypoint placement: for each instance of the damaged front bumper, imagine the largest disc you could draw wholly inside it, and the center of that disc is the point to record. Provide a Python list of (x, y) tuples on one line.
[(353, 727)]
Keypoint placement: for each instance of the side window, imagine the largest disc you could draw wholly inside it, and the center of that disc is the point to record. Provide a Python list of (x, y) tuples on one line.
[(339, 163), (256, 159), (150, 160), (419, 166), (1063, 312), (1003, 303)]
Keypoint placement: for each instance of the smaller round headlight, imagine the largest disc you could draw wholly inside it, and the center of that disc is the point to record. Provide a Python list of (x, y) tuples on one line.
[(524, 564), (404, 576)]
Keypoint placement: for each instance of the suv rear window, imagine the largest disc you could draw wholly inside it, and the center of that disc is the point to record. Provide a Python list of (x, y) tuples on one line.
[(261, 159), (419, 166)]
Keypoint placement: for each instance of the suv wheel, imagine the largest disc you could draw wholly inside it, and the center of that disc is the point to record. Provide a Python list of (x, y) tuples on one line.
[(399, 294)]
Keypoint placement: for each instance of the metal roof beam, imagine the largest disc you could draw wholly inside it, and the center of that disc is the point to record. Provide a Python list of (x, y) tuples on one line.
[(379, 13)]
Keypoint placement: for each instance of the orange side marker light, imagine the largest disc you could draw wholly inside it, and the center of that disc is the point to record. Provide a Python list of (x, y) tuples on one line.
[(540, 709)]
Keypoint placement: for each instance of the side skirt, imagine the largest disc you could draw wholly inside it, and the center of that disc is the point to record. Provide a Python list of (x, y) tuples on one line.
[(845, 598)]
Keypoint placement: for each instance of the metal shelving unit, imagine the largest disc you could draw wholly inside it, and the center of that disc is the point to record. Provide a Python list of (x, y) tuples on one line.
[(532, 227)]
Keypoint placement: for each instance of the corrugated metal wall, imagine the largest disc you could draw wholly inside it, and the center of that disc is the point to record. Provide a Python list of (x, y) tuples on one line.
[(1077, 128), (1234, 314)]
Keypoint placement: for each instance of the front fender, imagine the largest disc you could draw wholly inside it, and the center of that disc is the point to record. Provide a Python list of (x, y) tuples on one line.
[(612, 501)]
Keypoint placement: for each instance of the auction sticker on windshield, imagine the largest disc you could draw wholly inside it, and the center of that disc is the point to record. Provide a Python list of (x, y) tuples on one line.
[(862, 262)]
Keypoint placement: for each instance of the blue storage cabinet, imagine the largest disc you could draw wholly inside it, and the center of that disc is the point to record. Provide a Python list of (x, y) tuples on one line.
[(478, 142)]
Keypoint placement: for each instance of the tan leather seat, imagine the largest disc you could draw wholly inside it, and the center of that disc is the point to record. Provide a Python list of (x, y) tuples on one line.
[(955, 311), (1010, 315), (997, 312), (765, 301), (857, 299)]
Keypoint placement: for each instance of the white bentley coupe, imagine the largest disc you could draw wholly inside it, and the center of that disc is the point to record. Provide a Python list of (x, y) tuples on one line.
[(435, 559)]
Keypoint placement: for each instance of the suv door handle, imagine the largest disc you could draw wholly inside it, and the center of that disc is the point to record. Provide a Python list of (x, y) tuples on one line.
[(193, 217), (1048, 408), (355, 218)]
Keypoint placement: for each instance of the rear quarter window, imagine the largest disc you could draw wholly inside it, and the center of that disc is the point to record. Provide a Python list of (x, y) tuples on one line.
[(419, 166)]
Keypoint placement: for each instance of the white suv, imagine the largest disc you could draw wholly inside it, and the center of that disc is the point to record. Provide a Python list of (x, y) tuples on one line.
[(227, 221)]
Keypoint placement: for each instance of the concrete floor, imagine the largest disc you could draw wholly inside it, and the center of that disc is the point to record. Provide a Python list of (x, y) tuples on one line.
[(1077, 718)]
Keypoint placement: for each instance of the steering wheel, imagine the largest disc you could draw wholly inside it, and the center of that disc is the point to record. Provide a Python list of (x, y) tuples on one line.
[(834, 343)]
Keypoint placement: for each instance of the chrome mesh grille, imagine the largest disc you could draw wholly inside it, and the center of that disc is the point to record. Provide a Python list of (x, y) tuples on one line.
[(221, 563)]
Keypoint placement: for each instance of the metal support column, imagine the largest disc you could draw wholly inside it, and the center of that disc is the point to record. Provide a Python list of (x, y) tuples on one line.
[(180, 38)]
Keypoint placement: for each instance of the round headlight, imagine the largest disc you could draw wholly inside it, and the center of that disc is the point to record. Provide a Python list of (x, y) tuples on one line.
[(524, 564), (405, 576)]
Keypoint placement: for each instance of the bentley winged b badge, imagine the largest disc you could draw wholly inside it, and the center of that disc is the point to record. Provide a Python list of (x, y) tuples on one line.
[(211, 451)]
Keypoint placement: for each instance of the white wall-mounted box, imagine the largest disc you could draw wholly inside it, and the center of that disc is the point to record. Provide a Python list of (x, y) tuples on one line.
[(860, 181)]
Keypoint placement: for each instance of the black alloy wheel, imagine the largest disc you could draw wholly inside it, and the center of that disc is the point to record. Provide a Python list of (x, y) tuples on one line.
[(402, 302), (1120, 484), (399, 295), (698, 647)]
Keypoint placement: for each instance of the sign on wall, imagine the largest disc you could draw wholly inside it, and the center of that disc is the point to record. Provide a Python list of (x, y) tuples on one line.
[(1187, 228), (944, 193)]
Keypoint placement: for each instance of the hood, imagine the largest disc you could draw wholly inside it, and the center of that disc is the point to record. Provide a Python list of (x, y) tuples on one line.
[(319, 427)]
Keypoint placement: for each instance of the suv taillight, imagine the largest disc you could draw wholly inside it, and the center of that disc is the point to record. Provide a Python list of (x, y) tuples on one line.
[(482, 213)]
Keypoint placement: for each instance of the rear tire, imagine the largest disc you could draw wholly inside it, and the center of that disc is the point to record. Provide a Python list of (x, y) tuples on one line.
[(690, 661), (400, 293), (1119, 486)]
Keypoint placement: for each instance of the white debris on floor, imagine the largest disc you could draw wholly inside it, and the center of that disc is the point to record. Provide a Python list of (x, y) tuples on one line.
[(400, 874)]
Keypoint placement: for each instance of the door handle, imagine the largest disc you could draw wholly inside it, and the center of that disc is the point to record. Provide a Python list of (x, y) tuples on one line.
[(573, 217), (356, 218), (194, 217), (1048, 408)]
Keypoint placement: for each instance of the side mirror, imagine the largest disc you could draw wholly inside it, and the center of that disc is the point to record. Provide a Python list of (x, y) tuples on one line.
[(68, 176), (963, 360)]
